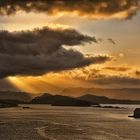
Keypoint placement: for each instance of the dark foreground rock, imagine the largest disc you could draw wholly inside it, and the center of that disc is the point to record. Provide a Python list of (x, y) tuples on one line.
[(136, 113), (26, 107)]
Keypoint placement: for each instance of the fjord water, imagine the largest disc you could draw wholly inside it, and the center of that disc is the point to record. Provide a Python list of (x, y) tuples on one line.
[(42, 122)]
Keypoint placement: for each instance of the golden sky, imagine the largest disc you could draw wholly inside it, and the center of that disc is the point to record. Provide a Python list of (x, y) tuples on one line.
[(47, 46)]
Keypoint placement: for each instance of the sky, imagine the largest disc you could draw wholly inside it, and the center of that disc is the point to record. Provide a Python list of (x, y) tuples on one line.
[(50, 45)]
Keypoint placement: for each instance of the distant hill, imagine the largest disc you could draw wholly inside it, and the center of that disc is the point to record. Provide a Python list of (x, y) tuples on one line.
[(105, 100), (20, 96), (43, 99), (58, 100), (8, 103), (123, 93)]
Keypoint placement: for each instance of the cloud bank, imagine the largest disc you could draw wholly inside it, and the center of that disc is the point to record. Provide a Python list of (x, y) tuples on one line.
[(40, 51), (106, 76), (92, 9)]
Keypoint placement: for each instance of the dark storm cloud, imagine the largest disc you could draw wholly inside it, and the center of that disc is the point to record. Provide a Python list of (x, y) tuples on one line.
[(41, 50), (40, 41), (94, 9)]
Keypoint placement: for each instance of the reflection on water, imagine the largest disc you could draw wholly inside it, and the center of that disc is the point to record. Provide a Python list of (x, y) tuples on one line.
[(68, 123)]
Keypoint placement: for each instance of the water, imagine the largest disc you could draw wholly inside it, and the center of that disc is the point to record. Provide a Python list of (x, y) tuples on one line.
[(68, 123), (129, 106)]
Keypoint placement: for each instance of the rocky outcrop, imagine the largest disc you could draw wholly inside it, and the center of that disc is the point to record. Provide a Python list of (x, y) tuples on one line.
[(136, 113)]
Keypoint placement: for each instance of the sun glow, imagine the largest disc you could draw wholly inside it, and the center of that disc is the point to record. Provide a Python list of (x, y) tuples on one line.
[(56, 82), (21, 84), (51, 83)]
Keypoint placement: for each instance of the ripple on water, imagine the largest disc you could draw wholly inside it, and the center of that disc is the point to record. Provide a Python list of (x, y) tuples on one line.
[(57, 131), (2, 123)]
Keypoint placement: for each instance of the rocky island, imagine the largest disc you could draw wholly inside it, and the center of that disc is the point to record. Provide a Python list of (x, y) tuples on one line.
[(59, 100), (136, 113)]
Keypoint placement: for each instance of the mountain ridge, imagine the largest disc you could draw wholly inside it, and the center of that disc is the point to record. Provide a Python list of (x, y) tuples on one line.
[(105, 100), (59, 100), (114, 93), (14, 95)]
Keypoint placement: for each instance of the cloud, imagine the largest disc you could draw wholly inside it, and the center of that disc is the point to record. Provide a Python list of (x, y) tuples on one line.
[(117, 80), (111, 41), (112, 80), (106, 76), (118, 69), (40, 51), (137, 73), (40, 41), (93, 9)]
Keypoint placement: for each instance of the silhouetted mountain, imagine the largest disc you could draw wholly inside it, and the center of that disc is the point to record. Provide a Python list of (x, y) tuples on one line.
[(58, 100), (69, 101), (123, 93), (10, 95), (105, 100), (43, 99)]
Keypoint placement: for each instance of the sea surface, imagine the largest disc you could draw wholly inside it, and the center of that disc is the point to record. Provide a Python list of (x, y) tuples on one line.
[(43, 122)]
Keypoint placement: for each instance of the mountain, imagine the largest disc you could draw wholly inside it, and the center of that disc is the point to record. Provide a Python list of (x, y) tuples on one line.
[(10, 95), (105, 100), (123, 94), (43, 99), (58, 100), (69, 101)]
